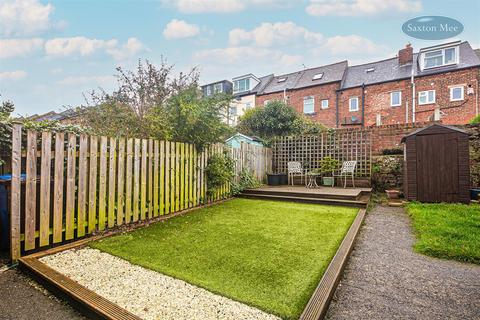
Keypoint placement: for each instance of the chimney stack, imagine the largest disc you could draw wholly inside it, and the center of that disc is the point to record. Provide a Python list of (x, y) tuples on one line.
[(405, 55)]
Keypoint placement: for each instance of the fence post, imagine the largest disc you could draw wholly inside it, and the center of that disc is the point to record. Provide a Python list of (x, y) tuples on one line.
[(15, 192)]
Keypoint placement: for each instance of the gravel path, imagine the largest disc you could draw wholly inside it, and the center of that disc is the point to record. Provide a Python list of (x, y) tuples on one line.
[(385, 279), (23, 299), (148, 294)]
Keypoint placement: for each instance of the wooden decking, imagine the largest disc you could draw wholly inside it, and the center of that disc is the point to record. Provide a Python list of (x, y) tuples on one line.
[(356, 197)]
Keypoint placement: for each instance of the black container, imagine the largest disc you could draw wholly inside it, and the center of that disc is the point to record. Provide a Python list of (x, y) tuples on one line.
[(475, 194), (275, 179)]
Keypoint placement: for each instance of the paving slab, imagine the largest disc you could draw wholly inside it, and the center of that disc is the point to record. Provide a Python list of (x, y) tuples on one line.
[(386, 279)]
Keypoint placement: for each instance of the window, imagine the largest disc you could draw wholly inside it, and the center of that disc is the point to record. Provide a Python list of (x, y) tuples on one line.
[(325, 104), (353, 104), (241, 85), (317, 76), (233, 111), (281, 80), (426, 97), (369, 70), (439, 58), (209, 90), (308, 105), (395, 98), (218, 87), (265, 102), (456, 93), (248, 106)]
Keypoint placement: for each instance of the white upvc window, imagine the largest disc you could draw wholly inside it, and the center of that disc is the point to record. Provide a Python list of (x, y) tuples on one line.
[(241, 85), (248, 106), (395, 98), (456, 93), (353, 104), (308, 105), (218, 87), (324, 104), (266, 102), (209, 90), (233, 111), (426, 97), (440, 57)]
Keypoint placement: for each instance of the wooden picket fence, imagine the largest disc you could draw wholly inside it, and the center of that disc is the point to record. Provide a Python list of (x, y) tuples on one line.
[(342, 145), (76, 185), (256, 159)]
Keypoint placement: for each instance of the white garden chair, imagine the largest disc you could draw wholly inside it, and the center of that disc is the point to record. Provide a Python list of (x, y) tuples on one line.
[(295, 169), (348, 168)]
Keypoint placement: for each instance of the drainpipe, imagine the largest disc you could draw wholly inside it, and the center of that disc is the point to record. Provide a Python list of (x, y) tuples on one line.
[(285, 95), (337, 115), (412, 81), (363, 104)]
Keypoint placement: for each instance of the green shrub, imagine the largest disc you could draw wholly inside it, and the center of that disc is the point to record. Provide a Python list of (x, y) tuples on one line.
[(246, 181), (475, 120), (219, 172)]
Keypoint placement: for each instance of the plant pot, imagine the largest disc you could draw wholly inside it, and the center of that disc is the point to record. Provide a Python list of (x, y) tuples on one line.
[(273, 179), (393, 194), (327, 181), (475, 194)]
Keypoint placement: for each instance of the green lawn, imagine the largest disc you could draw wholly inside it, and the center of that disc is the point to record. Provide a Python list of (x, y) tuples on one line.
[(267, 254), (450, 231)]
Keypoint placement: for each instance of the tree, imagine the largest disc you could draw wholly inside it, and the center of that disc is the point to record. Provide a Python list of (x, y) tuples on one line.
[(196, 119), (276, 119)]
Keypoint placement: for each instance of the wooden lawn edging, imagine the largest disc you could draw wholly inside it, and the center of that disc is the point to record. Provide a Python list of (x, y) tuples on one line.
[(319, 302), (85, 300)]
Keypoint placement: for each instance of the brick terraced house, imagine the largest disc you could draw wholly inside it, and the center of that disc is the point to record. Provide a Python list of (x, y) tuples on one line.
[(437, 83)]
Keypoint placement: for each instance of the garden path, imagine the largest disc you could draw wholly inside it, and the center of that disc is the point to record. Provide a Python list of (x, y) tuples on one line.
[(386, 279)]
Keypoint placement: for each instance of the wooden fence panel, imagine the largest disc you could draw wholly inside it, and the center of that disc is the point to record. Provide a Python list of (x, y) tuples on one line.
[(120, 181), (111, 182), (58, 187), (107, 183), (71, 174), (82, 185), (46, 163), (102, 189)]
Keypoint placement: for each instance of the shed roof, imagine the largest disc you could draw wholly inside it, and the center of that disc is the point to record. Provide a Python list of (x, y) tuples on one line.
[(426, 130)]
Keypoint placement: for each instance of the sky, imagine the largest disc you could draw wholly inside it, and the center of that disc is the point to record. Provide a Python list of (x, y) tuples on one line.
[(52, 53)]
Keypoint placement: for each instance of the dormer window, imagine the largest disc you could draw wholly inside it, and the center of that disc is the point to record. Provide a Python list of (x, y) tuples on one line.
[(318, 76), (241, 85), (281, 80), (440, 57), (369, 70), (218, 87)]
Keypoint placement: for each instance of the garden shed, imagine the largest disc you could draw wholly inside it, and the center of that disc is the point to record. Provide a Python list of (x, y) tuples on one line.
[(436, 165)]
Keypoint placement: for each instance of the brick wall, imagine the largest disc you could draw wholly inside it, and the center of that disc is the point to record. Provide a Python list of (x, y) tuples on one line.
[(295, 99), (377, 100)]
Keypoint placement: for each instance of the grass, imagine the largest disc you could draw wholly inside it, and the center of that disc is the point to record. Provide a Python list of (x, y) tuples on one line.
[(267, 254), (449, 231)]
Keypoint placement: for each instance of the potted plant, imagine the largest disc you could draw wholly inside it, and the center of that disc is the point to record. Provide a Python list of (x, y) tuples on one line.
[(327, 167), (393, 194)]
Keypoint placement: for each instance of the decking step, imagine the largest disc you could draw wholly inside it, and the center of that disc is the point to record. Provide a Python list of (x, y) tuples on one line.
[(300, 194), (337, 202)]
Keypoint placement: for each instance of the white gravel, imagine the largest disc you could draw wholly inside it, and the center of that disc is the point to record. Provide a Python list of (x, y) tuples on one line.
[(146, 293)]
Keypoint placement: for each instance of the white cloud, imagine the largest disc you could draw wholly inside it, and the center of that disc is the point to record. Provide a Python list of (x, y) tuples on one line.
[(270, 34), (87, 80), (63, 47), (226, 6), (179, 29), (12, 48), (131, 48), (13, 75), (24, 17), (77, 46), (245, 54), (360, 7)]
